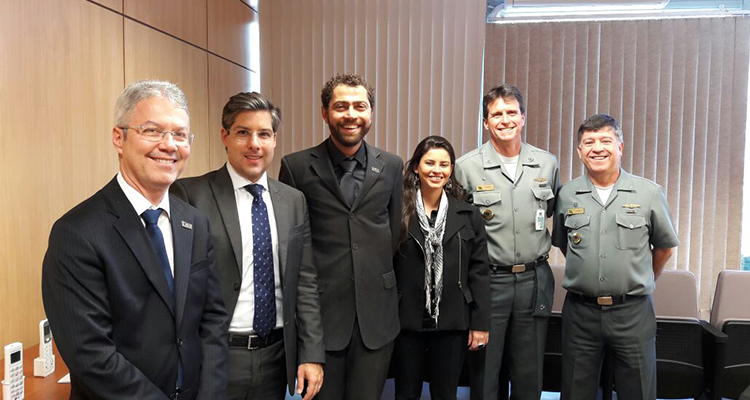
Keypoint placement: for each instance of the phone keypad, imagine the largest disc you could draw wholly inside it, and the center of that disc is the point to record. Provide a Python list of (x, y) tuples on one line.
[(14, 384)]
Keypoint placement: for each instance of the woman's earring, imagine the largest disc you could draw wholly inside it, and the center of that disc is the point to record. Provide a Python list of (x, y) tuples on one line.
[(449, 185), (415, 177)]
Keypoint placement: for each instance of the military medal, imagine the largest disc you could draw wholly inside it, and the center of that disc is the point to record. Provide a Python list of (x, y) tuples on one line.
[(576, 211), (576, 237), (485, 188), (487, 214)]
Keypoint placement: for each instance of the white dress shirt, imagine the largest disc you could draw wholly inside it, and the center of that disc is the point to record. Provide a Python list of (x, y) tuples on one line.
[(141, 204), (242, 320)]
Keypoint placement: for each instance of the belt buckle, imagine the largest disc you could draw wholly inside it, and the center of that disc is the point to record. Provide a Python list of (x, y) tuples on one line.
[(604, 301), (518, 268), (250, 342)]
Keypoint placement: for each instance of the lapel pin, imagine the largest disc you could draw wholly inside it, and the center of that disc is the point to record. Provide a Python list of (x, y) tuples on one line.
[(187, 225), (375, 170)]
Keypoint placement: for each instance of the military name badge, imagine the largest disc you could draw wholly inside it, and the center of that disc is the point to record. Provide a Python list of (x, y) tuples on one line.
[(630, 208), (487, 214), (576, 211), (576, 238), (485, 188)]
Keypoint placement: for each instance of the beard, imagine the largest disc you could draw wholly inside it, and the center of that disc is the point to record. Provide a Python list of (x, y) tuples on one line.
[(346, 139)]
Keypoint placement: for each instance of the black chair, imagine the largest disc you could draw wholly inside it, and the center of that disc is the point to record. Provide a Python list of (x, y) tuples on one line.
[(731, 313)]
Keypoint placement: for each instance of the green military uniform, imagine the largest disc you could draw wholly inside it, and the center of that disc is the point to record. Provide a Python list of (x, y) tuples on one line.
[(521, 296), (609, 277)]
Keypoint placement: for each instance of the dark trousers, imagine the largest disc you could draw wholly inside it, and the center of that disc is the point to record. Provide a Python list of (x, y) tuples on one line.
[(628, 330), (257, 374), (356, 372), (439, 353), (512, 303)]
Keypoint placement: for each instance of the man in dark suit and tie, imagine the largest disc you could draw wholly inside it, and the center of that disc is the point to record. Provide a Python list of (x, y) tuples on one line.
[(263, 252), (353, 192), (128, 280)]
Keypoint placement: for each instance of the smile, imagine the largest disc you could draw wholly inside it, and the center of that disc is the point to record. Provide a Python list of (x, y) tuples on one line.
[(164, 160)]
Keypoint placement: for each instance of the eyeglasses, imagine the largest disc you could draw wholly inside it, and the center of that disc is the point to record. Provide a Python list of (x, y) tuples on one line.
[(155, 134), (243, 135)]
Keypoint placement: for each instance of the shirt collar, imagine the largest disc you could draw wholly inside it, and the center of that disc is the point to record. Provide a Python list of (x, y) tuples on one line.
[(491, 157), (624, 183), (337, 156), (239, 182), (138, 201)]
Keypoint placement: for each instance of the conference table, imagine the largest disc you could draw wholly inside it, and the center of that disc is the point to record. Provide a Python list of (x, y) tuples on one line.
[(45, 388)]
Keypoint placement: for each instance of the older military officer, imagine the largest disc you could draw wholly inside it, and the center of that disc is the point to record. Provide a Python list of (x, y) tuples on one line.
[(513, 184), (617, 234)]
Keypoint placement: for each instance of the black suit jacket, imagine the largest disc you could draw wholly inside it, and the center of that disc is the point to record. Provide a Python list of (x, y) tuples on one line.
[(213, 193), (353, 246), (116, 324), (466, 273)]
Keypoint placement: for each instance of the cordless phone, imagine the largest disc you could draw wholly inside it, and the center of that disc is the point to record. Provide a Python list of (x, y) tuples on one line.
[(45, 363), (13, 386)]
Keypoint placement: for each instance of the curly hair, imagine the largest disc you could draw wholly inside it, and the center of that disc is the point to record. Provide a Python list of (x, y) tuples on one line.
[(352, 80)]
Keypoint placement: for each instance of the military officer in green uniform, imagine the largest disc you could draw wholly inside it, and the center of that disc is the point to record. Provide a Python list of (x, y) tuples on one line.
[(617, 234), (513, 184)]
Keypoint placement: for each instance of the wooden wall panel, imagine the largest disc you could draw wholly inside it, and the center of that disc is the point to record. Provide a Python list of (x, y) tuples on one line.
[(224, 80), (185, 19), (57, 90), (233, 32), (153, 55), (113, 4)]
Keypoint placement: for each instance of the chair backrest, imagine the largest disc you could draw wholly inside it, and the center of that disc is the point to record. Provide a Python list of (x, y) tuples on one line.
[(732, 297), (560, 292), (676, 295)]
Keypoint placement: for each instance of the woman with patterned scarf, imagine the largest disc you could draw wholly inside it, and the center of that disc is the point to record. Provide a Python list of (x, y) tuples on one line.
[(442, 274)]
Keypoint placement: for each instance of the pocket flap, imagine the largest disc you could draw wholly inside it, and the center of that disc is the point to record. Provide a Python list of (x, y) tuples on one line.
[(577, 221), (543, 193), (630, 221), (468, 297), (389, 279), (466, 234), (486, 199)]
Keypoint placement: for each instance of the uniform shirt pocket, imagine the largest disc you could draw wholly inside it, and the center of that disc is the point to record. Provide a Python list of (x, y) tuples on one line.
[(579, 231), (632, 231), (486, 199), (542, 195)]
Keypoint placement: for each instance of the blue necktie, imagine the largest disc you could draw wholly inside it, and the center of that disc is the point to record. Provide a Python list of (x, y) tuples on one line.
[(151, 217), (264, 319)]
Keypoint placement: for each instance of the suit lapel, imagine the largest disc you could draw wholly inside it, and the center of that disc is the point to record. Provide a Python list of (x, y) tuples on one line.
[(322, 166), (281, 213), (372, 171), (182, 237), (452, 223), (133, 233), (226, 202)]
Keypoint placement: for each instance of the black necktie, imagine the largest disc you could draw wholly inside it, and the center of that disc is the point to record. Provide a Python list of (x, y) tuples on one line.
[(348, 184), (264, 319)]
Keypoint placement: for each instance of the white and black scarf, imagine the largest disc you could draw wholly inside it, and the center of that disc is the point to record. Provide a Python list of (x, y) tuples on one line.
[(433, 253)]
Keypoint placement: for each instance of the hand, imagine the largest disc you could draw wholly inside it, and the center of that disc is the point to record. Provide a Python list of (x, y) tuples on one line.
[(313, 374), (478, 339)]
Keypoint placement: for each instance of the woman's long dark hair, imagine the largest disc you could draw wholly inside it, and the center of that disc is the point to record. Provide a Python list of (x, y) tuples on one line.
[(411, 180)]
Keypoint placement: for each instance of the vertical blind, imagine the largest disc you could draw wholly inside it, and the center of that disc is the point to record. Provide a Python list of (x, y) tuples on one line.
[(424, 58), (678, 88)]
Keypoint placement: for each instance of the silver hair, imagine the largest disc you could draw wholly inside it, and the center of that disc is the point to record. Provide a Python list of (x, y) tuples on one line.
[(142, 90)]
